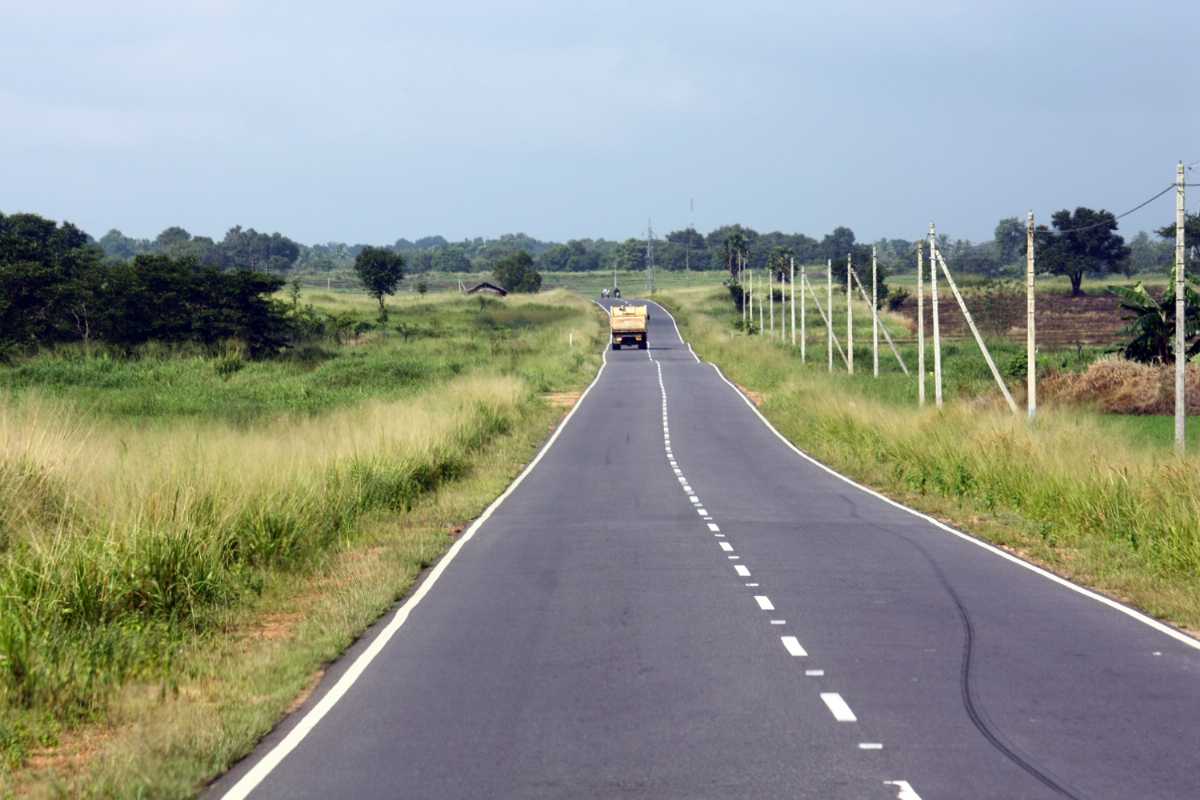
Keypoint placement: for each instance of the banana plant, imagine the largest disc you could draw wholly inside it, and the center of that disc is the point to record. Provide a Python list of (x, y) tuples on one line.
[(1152, 322)]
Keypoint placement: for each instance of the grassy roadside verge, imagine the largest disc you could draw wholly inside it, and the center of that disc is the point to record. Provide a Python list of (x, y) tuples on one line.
[(190, 576), (1083, 498)]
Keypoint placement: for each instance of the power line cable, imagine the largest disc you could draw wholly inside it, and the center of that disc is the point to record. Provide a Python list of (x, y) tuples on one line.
[(1106, 221)]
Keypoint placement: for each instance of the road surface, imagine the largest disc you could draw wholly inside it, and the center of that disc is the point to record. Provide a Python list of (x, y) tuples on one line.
[(673, 603)]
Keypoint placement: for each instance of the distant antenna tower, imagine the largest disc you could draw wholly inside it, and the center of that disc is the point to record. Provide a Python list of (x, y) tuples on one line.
[(649, 257)]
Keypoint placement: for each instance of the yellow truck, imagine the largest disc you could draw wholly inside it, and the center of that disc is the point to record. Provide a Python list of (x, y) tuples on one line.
[(628, 325)]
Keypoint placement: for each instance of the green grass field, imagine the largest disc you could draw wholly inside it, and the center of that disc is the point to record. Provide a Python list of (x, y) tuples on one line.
[(185, 544), (1097, 497)]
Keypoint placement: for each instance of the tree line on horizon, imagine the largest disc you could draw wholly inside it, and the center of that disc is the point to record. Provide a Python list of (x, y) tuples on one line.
[(1100, 251)]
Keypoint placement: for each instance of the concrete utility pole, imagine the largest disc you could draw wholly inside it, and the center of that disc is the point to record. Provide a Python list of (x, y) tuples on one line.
[(966, 312), (771, 297), (750, 278), (920, 324), (829, 302), (874, 313), (741, 273), (1030, 309), (1180, 317), (762, 319), (937, 337), (849, 316), (792, 284), (803, 308)]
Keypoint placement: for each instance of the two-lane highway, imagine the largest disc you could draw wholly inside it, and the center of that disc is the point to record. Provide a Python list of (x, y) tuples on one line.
[(673, 602)]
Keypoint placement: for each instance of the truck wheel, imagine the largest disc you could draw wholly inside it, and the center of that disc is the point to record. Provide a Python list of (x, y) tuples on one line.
[(616, 346), (642, 344)]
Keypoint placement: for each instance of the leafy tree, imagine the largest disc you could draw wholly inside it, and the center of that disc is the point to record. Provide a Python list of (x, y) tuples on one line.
[(1152, 322), (380, 271), (574, 256), (516, 273), (1150, 255), (119, 246), (734, 241), (1191, 229), (837, 244), (1083, 242), (1009, 239), (43, 267), (171, 237), (450, 258), (249, 249)]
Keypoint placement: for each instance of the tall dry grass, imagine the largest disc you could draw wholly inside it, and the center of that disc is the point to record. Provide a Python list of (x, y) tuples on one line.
[(120, 541)]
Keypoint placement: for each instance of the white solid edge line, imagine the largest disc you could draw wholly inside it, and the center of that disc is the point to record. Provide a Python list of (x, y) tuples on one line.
[(677, 333), (248, 782), (838, 707), (1099, 598)]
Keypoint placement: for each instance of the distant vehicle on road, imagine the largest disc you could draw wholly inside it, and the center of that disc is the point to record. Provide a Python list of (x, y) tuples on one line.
[(628, 325), (616, 292), (603, 293)]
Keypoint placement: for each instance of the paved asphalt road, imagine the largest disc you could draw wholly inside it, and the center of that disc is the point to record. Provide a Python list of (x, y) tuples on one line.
[(675, 604)]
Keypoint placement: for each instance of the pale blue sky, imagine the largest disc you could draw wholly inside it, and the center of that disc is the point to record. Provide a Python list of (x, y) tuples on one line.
[(368, 121)]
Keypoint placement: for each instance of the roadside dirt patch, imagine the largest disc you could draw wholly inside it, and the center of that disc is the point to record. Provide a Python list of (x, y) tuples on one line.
[(306, 692), (755, 397), (561, 399), (276, 626), (72, 752)]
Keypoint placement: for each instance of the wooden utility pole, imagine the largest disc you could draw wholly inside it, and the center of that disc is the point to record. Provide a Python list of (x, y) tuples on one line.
[(829, 302), (1180, 317), (849, 317), (874, 313), (920, 324), (1030, 321), (937, 337)]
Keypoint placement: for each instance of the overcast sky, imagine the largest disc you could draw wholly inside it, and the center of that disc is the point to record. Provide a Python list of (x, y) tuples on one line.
[(369, 121)]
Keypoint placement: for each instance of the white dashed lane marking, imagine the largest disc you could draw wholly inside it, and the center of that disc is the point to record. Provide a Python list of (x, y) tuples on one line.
[(837, 706), (792, 645), (833, 701), (903, 790)]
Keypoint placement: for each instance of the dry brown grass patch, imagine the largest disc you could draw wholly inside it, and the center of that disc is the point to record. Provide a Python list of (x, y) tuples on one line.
[(1119, 386), (561, 399)]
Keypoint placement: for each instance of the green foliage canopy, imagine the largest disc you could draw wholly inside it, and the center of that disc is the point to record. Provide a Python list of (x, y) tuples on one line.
[(516, 273), (1083, 242), (380, 271)]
